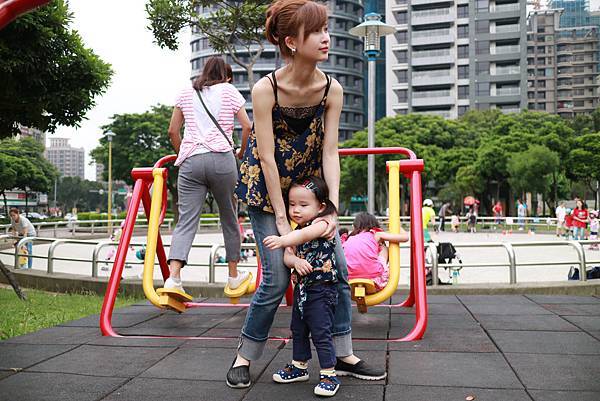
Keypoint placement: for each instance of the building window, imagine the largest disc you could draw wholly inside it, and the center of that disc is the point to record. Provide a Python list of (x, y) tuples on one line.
[(401, 56), (462, 11), (483, 89), (463, 92), (463, 72), (401, 17), (541, 49), (402, 76), (482, 67), (482, 6), (541, 95), (463, 31), (482, 26), (403, 111), (462, 110), (549, 72), (402, 36), (482, 47), (463, 51), (402, 95), (541, 106)]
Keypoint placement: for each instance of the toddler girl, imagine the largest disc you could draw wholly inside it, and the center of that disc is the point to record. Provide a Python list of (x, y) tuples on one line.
[(366, 252), (594, 225), (315, 294)]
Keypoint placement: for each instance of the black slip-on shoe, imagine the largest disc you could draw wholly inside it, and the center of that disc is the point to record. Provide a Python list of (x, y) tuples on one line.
[(360, 370), (239, 377)]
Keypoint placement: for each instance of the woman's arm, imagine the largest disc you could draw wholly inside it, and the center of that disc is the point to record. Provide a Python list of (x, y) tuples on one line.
[(263, 101), (395, 238), (175, 128), (296, 237), (242, 117)]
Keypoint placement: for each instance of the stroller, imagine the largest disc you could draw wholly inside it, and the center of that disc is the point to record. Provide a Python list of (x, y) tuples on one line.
[(446, 253)]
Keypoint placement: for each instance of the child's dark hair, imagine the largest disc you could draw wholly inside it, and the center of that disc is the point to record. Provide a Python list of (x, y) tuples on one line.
[(319, 187), (364, 222), (343, 230)]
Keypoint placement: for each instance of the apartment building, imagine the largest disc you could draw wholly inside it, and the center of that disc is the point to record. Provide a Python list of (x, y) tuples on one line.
[(69, 161), (449, 56), (562, 65)]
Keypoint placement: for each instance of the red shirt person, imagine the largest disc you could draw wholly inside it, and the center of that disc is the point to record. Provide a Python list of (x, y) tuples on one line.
[(580, 220)]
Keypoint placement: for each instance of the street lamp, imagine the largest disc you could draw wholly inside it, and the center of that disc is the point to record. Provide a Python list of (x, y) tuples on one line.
[(109, 136), (371, 30)]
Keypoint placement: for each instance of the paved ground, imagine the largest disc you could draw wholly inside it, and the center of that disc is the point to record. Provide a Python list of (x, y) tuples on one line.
[(495, 348)]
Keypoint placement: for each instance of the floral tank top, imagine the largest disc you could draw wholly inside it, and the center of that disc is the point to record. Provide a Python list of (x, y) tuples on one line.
[(298, 151)]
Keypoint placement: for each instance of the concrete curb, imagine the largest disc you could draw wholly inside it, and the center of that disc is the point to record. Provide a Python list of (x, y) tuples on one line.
[(69, 283)]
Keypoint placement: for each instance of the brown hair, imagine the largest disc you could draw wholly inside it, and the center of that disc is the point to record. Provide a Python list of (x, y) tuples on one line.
[(364, 222), (287, 17), (229, 72), (214, 72), (13, 210)]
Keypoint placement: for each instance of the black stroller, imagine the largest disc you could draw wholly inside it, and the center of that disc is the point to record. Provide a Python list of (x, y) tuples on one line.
[(446, 253)]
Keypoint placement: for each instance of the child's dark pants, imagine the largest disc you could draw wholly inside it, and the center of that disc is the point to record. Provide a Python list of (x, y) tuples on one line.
[(317, 320)]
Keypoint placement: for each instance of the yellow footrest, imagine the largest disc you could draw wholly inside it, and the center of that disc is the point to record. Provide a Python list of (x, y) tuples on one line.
[(173, 299), (236, 293), (361, 287)]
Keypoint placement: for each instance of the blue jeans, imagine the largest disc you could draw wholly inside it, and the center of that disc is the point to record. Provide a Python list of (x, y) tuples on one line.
[(29, 252), (316, 322), (275, 281), (578, 233)]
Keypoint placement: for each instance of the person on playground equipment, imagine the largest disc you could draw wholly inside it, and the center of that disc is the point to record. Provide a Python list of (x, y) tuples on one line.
[(21, 226), (315, 295), (206, 163), (366, 251), (428, 217), (297, 112)]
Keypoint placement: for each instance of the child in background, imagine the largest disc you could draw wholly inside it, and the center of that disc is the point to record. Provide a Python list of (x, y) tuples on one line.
[(594, 225), (455, 223), (343, 234), (315, 295), (366, 251), (569, 225), (471, 220)]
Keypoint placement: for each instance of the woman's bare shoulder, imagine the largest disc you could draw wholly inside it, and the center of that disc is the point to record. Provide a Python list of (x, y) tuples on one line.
[(263, 87), (335, 89)]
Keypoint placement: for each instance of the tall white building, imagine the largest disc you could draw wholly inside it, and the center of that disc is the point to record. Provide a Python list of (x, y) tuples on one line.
[(69, 161)]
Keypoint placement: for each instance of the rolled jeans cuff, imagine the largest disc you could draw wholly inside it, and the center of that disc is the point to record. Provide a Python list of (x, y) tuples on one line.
[(343, 345), (250, 349)]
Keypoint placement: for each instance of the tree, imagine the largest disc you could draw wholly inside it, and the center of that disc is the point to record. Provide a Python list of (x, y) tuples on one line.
[(74, 192), (140, 140), (8, 177), (233, 27), (48, 77)]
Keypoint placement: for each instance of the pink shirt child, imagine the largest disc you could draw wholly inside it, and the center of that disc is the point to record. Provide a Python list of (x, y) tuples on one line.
[(363, 260)]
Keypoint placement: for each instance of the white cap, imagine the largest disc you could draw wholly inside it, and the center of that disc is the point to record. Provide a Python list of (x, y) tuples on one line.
[(427, 202)]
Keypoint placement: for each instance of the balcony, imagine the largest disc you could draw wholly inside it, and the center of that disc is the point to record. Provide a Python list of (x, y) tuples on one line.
[(509, 28), (433, 98), (441, 113), (434, 16), (503, 8), (434, 77), (510, 110), (432, 57), (508, 91), (421, 2), (507, 70), (505, 49), (432, 36)]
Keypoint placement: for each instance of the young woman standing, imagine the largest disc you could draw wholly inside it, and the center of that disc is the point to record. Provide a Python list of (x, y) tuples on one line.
[(296, 117)]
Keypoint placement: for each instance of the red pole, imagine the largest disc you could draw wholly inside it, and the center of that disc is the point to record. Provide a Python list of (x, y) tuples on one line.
[(12, 9)]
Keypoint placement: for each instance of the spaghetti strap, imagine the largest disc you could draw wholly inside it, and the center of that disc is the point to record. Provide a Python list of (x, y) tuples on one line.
[(274, 85), (327, 87)]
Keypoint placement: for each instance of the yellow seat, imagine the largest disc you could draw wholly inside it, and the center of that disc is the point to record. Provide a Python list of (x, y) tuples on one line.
[(360, 288), (235, 294), (173, 299)]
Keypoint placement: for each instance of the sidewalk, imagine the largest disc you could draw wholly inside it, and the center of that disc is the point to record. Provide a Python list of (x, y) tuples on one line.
[(495, 348)]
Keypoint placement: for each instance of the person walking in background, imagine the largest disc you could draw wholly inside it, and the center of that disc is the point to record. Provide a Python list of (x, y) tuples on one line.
[(21, 226), (594, 226), (521, 214), (428, 215), (471, 220), (561, 213), (498, 214), (206, 163), (580, 220), (297, 112), (443, 212)]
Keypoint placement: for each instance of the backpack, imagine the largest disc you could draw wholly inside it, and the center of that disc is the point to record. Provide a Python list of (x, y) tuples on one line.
[(593, 273)]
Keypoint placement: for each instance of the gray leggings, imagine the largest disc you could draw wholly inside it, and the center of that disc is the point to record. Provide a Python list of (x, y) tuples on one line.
[(217, 173)]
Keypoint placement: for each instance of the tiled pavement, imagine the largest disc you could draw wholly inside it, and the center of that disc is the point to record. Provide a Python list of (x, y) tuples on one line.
[(496, 348)]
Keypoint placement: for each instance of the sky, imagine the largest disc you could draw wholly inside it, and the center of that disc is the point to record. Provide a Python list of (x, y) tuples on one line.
[(144, 74)]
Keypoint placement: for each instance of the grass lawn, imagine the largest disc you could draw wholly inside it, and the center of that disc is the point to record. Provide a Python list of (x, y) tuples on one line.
[(46, 309)]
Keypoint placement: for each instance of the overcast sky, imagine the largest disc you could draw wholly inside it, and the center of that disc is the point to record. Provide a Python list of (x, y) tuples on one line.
[(144, 74)]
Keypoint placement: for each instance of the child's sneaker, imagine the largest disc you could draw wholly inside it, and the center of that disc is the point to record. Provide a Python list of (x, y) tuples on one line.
[(290, 374), (328, 386), (235, 282), (173, 284)]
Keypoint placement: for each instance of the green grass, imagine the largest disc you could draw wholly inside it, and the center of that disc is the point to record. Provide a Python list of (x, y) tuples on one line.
[(44, 309)]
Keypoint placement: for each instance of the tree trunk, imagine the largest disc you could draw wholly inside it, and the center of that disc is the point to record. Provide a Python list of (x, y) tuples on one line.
[(12, 281)]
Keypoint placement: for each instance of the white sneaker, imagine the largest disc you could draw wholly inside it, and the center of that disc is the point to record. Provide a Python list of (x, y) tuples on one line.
[(234, 282), (173, 284)]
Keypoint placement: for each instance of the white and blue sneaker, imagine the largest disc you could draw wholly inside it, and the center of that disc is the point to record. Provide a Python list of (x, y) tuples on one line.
[(328, 386), (290, 374)]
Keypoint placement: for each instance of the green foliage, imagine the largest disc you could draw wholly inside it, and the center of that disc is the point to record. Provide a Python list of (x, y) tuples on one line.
[(233, 27), (82, 194), (48, 76), (533, 169)]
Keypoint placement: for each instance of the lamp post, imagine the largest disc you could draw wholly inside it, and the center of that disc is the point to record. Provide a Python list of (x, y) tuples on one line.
[(109, 136), (371, 30)]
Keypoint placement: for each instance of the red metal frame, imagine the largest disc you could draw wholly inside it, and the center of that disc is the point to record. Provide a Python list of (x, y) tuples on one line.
[(12, 9), (417, 296)]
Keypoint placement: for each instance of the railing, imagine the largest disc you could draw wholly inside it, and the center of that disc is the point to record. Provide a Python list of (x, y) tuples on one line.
[(431, 53), (507, 28), (506, 49), (504, 7), (510, 91), (426, 94), (431, 13), (74, 226), (431, 74), (507, 70), (431, 32)]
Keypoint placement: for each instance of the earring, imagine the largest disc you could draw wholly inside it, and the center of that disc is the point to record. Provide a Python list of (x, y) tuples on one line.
[(293, 51)]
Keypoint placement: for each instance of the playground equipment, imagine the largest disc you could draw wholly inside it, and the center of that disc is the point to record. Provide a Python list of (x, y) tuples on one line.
[(363, 291), (11, 9)]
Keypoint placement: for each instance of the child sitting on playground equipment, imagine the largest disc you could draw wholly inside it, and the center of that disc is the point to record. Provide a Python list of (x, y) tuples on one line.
[(366, 251), (315, 295)]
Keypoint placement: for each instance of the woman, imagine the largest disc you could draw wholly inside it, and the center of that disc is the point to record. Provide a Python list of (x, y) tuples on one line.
[(580, 220), (296, 117), (206, 163)]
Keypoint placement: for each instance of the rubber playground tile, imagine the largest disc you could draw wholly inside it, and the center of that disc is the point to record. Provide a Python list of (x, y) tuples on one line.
[(158, 331), (104, 361), (280, 332), (21, 356), (119, 320), (563, 299), (574, 310), (304, 391), (202, 364), (58, 335), (545, 342), (427, 393), (358, 346), (557, 372), (4, 374), (442, 299), (182, 321), (26, 386), (146, 389), (436, 321), (595, 334), (539, 395), (376, 359), (373, 310), (436, 309), (237, 321), (150, 309), (507, 309), (137, 342), (443, 340), (527, 322), (589, 323), (484, 370), (495, 299), (370, 319)]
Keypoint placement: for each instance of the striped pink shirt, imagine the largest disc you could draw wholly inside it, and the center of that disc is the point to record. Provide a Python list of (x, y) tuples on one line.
[(200, 133)]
